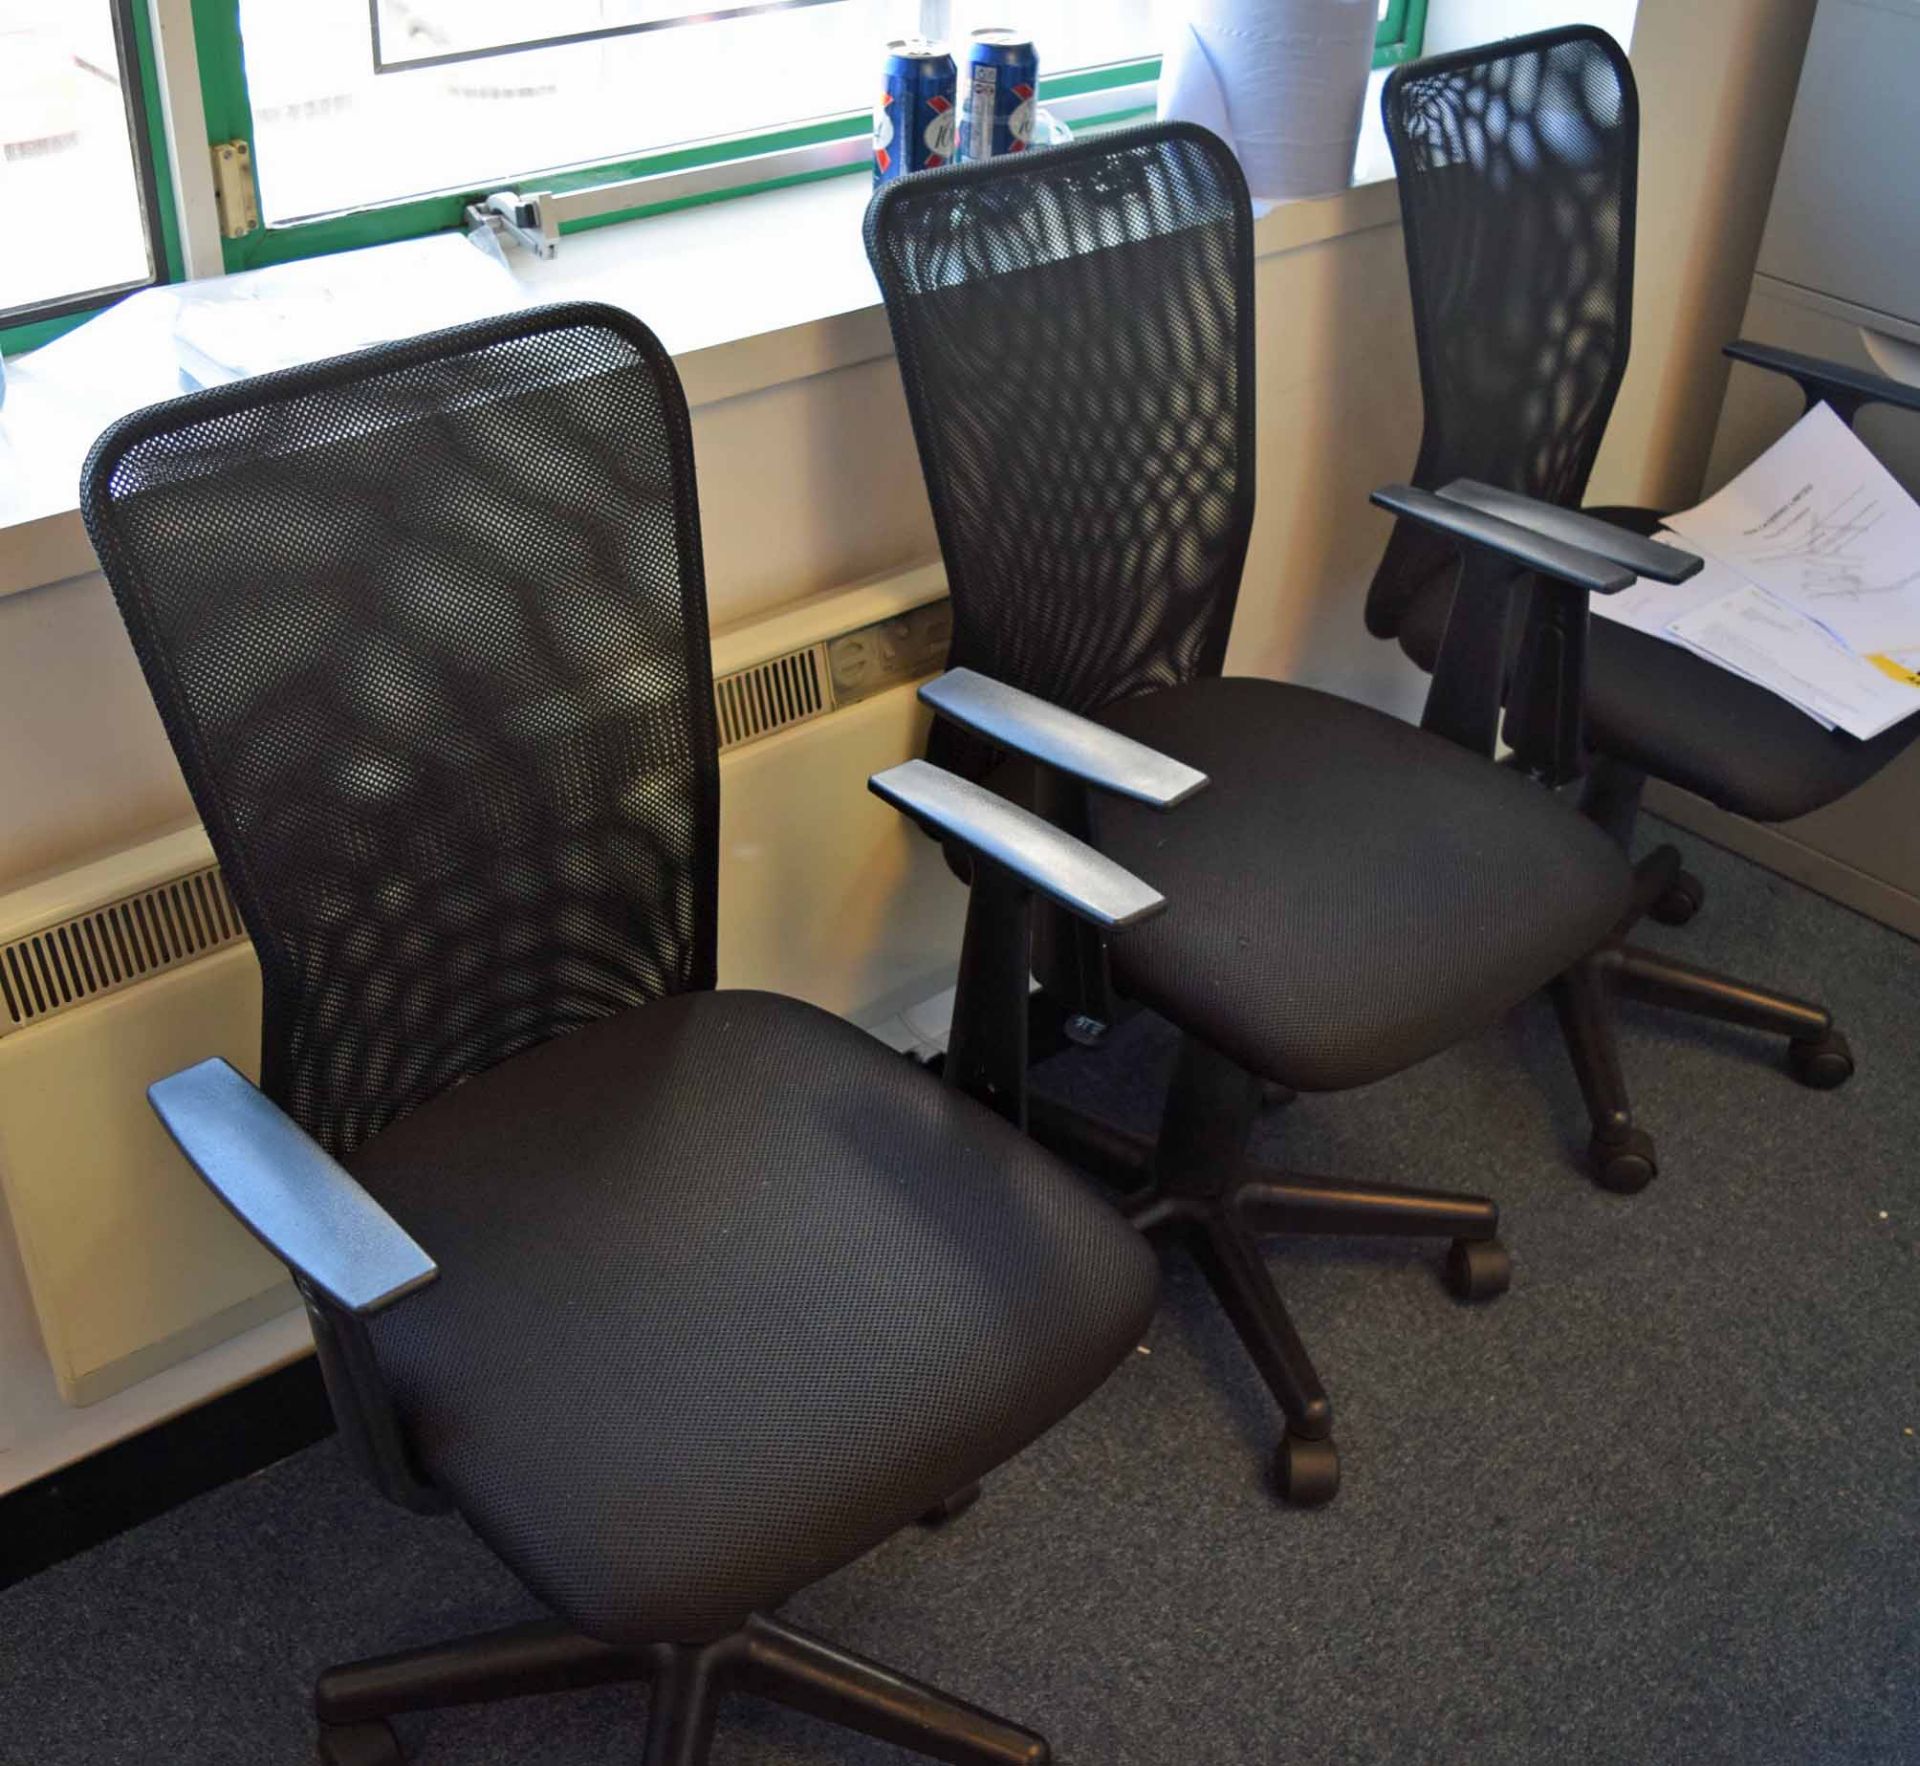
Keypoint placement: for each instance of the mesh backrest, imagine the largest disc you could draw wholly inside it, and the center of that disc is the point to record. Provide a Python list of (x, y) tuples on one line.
[(1075, 332), (1517, 165), (427, 627)]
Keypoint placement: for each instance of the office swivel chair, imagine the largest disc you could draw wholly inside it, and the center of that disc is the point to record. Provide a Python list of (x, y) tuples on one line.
[(1349, 894), (683, 1298), (1517, 168)]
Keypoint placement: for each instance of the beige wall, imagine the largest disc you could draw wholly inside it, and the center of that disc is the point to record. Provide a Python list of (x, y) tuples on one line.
[(813, 483), (804, 486), (1339, 413), (86, 764), (1717, 80), (810, 485)]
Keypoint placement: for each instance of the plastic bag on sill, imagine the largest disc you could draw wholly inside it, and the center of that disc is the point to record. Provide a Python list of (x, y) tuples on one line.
[(1283, 82), (232, 326), (1048, 129)]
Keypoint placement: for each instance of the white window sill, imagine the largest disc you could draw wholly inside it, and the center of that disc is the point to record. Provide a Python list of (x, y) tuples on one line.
[(745, 294)]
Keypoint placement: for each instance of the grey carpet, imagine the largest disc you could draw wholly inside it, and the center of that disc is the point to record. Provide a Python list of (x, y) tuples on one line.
[(1661, 1503)]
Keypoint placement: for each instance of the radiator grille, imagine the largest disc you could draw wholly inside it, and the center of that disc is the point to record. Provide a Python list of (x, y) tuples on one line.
[(108, 948), (754, 702)]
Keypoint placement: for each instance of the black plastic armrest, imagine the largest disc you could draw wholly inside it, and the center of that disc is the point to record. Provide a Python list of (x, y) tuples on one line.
[(287, 1191), (1642, 556), (1088, 884), (1573, 565), (1075, 745), (1845, 388)]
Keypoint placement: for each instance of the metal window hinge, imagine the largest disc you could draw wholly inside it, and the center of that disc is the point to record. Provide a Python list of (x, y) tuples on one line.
[(527, 219), (233, 191)]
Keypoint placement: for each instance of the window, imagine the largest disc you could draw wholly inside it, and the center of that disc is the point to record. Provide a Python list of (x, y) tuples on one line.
[(81, 164), (373, 119), (352, 107)]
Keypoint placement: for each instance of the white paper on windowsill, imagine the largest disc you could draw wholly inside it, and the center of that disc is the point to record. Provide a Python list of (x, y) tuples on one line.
[(1819, 523), (1762, 637)]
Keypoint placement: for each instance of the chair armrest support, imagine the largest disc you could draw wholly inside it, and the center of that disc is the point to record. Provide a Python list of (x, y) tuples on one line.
[(1576, 566), (1053, 864), (1073, 756), (1062, 739), (1846, 389), (1642, 556), (287, 1191), (1546, 696)]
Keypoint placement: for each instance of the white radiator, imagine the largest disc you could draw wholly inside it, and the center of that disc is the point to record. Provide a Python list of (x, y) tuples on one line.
[(110, 976), (116, 973)]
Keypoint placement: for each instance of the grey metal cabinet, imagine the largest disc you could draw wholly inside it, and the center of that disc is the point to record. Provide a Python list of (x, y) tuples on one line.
[(1839, 276)]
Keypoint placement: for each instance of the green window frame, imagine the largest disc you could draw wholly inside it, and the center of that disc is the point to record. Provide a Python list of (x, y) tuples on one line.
[(133, 33), (1402, 32)]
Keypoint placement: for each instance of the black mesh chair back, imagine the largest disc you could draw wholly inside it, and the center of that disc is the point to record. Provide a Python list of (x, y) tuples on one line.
[(1075, 332), (1517, 165), (427, 626)]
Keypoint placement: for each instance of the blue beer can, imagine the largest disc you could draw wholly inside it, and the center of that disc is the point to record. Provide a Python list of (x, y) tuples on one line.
[(1003, 79), (916, 120)]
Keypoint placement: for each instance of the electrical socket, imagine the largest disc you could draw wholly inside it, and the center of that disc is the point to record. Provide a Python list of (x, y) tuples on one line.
[(890, 651)]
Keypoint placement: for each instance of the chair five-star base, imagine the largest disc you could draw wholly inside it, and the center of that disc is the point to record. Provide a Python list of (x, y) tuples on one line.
[(765, 1657)]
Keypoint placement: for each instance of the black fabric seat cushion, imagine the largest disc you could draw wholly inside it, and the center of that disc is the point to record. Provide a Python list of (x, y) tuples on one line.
[(1349, 894), (1677, 717), (729, 1293)]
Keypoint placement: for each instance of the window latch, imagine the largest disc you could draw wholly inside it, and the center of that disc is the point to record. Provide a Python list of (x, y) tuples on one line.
[(528, 220), (233, 193)]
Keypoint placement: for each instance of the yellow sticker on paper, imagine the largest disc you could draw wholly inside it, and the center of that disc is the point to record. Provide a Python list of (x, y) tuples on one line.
[(1897, 670)]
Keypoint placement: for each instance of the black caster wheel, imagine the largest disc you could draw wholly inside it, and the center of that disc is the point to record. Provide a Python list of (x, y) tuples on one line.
[(1821, 1062), (1306, 1473), (953, 1508), (1478, 1269), (359, 1744), (1679, 901), (1623, 1166)]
